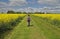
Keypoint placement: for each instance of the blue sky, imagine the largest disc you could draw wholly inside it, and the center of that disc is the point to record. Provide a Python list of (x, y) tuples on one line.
[(30, 5)]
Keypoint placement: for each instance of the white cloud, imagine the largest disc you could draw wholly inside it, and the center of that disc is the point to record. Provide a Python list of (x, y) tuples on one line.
[(29, 9), (49, 2), (17, 2), (3, 4), (14, 3), (51, 9), (54, 5), (6, 6)]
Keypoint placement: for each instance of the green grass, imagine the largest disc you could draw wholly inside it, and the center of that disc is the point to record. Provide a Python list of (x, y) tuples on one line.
[(6, 27), (39, 29)]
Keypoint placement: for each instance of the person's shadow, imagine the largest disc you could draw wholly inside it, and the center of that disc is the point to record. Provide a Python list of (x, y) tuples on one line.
[(30, 26)]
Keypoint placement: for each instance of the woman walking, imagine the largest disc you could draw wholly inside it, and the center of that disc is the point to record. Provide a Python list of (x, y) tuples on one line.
[(28, 20)]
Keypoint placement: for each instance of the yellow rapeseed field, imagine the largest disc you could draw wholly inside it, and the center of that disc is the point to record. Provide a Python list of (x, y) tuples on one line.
[(51, 16), (8, 17)]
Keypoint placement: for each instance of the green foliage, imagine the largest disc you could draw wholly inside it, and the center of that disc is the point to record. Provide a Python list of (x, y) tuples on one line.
[(10, 12), (41, 29), (8, 26), (54, 22)]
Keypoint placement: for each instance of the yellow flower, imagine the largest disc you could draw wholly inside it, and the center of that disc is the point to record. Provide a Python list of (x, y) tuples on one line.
[(51, 16), (9, 17)]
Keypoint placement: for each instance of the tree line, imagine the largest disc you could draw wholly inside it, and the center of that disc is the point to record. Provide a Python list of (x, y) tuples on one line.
[(13, 12)]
